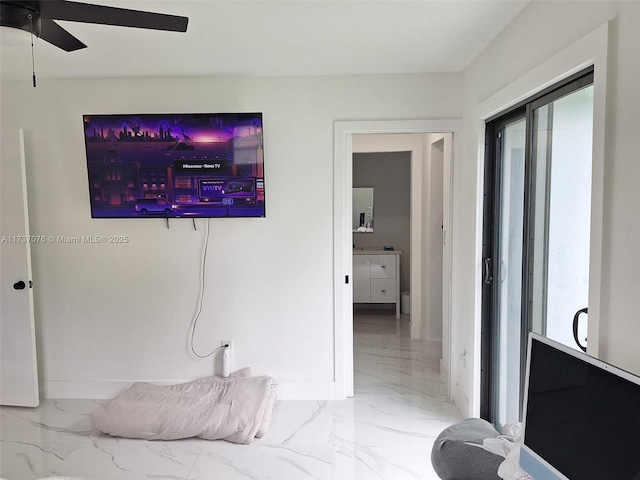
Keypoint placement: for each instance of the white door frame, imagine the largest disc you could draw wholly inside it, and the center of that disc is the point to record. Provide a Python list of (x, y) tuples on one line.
[(343, 180)]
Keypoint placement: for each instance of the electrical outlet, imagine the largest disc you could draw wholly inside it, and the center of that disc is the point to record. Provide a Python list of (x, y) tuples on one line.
[(230, 347)]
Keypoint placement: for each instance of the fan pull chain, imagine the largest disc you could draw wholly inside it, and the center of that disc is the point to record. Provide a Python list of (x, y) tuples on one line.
[(33, 59)]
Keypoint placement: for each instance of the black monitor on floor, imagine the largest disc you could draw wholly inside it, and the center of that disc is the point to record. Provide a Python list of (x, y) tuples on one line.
[(581, 416)]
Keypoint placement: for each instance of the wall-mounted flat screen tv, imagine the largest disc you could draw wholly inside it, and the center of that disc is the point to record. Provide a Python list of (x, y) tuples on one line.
[(175, 165)]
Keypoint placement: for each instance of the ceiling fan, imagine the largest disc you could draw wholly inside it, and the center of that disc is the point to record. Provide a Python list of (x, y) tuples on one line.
[(38, 18)]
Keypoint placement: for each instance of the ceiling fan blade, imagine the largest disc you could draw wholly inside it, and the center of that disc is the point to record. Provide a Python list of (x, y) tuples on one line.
[(87, 13), (53, 33)]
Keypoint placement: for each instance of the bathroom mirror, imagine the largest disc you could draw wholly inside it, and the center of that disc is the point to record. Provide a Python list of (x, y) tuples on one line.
[(363, 209)]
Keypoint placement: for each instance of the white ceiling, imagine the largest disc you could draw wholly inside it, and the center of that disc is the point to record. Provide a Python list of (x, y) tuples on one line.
[(267, 37)]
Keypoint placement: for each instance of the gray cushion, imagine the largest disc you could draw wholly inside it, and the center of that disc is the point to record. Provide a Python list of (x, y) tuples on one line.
[(454, 459)]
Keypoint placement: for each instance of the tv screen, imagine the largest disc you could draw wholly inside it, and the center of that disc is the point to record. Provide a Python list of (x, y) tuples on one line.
[(581, 417), (175, 165)]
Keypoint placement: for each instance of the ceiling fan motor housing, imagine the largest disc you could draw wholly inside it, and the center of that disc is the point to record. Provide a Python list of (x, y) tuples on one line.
[(22, 15)]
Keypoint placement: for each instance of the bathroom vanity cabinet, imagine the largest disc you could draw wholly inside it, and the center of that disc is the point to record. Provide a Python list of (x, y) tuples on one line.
[(376, 276)]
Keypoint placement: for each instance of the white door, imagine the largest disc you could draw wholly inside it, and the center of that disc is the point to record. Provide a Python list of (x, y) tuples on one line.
[(18, 366)]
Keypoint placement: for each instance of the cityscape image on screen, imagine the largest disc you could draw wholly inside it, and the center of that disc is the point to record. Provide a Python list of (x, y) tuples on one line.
[(175, 165)]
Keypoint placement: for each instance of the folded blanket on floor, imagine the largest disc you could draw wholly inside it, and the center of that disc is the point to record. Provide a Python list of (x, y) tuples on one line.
[(236, 409)]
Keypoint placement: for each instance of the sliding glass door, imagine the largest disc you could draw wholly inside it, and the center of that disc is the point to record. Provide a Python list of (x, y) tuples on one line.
[(536, 234), (563, 135), (508, 271)]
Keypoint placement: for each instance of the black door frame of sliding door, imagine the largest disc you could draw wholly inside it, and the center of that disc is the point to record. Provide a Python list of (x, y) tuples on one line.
[(494, 128)]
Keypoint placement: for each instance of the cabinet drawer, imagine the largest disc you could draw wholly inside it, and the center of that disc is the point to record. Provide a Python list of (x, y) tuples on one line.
[(383, 290), (383, 266)]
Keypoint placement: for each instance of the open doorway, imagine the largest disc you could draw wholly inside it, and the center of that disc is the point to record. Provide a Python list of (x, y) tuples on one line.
[(408, 136), (382, 233)]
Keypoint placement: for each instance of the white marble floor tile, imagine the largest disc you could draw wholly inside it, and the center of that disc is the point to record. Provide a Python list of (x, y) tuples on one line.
[(221, 460), (300, 423), (385, 432), (108, 458), (384, 463), (21, 460)]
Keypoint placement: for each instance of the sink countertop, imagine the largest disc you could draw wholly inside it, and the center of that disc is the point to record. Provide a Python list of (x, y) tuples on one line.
[(375, 251)]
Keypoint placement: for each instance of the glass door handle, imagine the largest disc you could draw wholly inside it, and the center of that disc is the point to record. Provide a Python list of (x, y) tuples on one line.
[(487, 271), (576, 318)]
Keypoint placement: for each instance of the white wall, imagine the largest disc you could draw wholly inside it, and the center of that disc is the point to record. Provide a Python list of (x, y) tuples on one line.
[(542, 30), (108, 315), (111, 313)]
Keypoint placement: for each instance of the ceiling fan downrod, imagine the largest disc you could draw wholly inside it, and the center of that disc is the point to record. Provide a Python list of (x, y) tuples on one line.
[(33, 57)]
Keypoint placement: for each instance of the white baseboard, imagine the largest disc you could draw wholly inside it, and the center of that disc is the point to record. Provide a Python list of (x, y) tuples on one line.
[(462, 402), (94, 390), (444, 371), (98, 390), (432, 347), (307, 391)]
